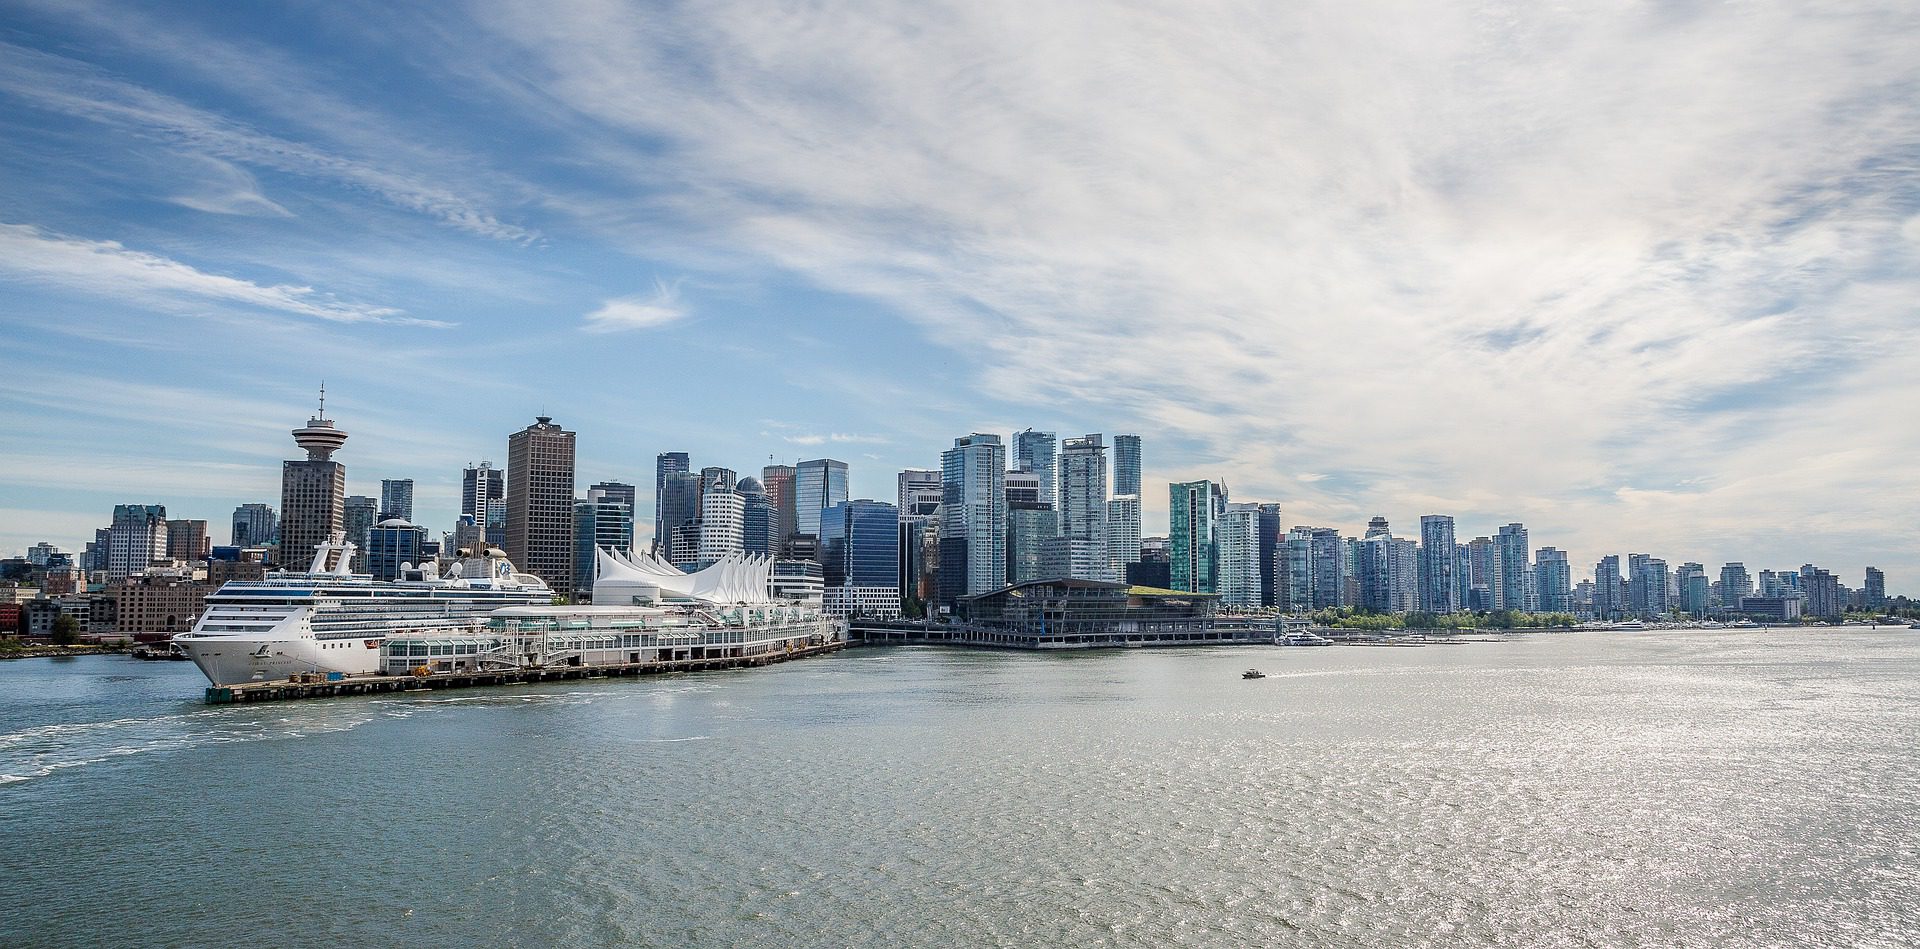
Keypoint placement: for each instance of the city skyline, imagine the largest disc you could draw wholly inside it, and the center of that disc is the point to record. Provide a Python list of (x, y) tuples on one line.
[(1634, 320)]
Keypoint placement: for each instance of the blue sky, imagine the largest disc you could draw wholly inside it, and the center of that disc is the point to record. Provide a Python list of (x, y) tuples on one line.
[(1642, 277)]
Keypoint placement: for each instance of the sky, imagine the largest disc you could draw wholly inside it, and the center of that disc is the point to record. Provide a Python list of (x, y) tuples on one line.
[(1643, 276)]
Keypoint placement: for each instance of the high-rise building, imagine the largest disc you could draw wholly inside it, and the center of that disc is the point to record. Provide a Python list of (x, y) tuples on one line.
[(666, 464), (1483, 578), (495, 526), (756, 519), (1273, 561), (1735, 585), (918, 492), (1822, 590), (187, 540), (1439, 565), (973, 512), (1238, 544), (817, 485), (1194, 555), (137, 538), (1316, 572), (1031, 527), (1554, 580), (1082, 544), (677, 508), (1126, 464), (619, 492), (540, 498), (1609, 593), (1693, 589), (313, 493), (396, 498), (603, 520), (1123, 532), (1034, 451), (358, 514), (392, 544), (479, 484), (254, 525), (723, 515), (1646, 585), (1373, 568), (778, 480), (1023, 487), (860, 558), (1511, 569), (1874, 591)]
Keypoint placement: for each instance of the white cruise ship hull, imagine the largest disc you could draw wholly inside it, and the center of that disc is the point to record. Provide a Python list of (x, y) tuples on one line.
[(230, 660)]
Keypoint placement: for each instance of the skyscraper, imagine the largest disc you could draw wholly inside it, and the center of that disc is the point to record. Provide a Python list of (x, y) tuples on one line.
[(1082, 545), (1126, 464), (358, 514), (817, 485), (678, 508), (859, 558), (254, 525), (396, 498), (1191, 523), (918, 492), (1646, 585), (1735, 585), (479, 484), (1034, 451), (1554, 580), (1694, 586), (1239, 552), (665, 464), (1483, 574), (313, 492), (778, 482), (1511, 569), (540, 498), (1273, 561), (393, 543), (973, 512), (1123, 533), (601, 520), (187, 540), (1439, 566), (722, 516), (1874, 591), (1609, 599), (756, 519), (137, 538)]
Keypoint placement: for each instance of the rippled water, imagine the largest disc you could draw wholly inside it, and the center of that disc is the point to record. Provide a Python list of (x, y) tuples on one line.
[(1652, 789)]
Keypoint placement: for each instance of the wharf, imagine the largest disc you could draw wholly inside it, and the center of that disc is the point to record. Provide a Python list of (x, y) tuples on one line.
[(283, 690)]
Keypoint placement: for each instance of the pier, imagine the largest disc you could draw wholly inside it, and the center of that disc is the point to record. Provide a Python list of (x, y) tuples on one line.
[(316, 686)]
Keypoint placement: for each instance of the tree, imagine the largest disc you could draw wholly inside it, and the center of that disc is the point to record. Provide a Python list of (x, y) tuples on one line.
[(66, 630)]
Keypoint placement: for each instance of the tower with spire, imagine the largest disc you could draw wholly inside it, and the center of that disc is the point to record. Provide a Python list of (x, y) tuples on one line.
[(312, 492)]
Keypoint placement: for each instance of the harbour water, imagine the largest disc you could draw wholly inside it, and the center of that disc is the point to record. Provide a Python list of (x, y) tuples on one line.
[(1660, 788)]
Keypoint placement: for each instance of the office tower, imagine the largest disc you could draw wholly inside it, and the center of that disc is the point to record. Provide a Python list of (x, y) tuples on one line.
[(1439, 565), (1482, 564), (918, 492), (1373, 569), (187, 540), (1646, 586), (665, 465), (313, 493), (1126, 464), (392, 544), (1299, 555), (1273, 562), (1822, 590), (1874, 591), (496, 523), (778, 481), (1123, 533), (722, 516), (1238, 543), (1554, 580), (479, 484), (919, 561), (1023, 487), (1735, 585), (1405, 568), (1509, 582), (860, 559), (678, 507), (358, 514), (973, 517), (817, 485), (540, 502), (1081, 548), (254, 525), (1330, 569), (1033, 451), (603, 520), (137, 538), (756, 520), (1609, 602), (1377, 527), (1193, 548), (1031, 527), (1694, 587), (396, 499)]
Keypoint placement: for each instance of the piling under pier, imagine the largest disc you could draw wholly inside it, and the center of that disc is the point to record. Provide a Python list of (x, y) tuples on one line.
[(283, 690)]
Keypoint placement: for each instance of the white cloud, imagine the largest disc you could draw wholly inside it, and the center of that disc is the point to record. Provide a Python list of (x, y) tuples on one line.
[(146, 280), (658, 308)]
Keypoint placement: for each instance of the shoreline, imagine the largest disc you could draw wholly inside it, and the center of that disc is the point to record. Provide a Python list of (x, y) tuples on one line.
[(63, 652)]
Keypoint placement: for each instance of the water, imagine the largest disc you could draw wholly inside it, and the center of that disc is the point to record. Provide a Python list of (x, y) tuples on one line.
[(1710, 788)]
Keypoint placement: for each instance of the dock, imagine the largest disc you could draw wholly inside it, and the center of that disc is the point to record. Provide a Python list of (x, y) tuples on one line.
[(316, 687)]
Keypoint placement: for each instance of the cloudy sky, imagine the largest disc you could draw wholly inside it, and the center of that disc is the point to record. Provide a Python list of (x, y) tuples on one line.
[(1645, 276)]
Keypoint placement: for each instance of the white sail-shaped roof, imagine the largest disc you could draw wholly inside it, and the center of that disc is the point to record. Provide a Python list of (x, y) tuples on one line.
[(736, 578)]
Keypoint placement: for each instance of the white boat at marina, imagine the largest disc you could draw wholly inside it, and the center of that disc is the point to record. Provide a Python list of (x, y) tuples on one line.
[(329, 619)]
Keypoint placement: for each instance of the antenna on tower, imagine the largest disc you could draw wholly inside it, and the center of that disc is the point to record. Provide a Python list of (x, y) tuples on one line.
[(323, 398)]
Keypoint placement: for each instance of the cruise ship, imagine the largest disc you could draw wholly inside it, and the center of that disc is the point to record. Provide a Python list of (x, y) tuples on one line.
[(329, 619)]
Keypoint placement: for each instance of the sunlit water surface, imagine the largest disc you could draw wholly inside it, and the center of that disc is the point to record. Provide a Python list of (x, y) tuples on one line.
[(1701, 788)]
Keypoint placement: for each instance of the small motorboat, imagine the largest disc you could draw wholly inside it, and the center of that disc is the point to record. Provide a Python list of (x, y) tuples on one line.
[(1253, 674)]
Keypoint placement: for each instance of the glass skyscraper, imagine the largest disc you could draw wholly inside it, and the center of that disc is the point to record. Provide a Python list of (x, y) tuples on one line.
[(1191, 535), (1510, 569), (1034, 451), (817, 485), (396, 498), (973, 517), (1439, 565), (1126, 464)]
